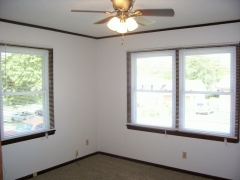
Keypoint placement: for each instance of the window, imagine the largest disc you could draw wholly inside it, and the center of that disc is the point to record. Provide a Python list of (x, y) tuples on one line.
[(26, 102), (208, 90), (189, 92), (153, 92)]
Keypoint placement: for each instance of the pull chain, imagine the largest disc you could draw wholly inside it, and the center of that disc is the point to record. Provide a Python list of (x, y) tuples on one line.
[(122, 39)]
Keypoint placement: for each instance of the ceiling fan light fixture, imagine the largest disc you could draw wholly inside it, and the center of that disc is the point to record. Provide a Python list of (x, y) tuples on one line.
[(113, 24), (122, 27), (131, 24)]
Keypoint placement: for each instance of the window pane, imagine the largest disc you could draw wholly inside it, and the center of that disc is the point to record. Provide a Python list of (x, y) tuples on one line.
[(210, 72), (154, 109), (22, 114), (21, 72), (208, 112), (154, 73)]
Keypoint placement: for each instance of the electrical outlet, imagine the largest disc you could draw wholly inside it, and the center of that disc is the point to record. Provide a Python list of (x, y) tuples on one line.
[(35, 174), (87, 142), (184, 155), (76, 153)]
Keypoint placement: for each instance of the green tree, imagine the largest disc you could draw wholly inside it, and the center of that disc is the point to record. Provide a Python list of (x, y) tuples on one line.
[(209, 71), (21, 73), (206, 69), (155, 69)]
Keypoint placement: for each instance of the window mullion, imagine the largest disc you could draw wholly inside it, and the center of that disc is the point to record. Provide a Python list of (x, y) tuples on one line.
[(154, 91), (208, 92), (22, 93), (177, 89), (1, 96), (133, 89)]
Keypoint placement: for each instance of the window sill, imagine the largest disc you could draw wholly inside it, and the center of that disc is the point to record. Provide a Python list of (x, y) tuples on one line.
[(25, 138), (183, 134)]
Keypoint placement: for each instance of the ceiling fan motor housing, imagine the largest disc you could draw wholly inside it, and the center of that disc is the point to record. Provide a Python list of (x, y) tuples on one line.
[(123, 5)]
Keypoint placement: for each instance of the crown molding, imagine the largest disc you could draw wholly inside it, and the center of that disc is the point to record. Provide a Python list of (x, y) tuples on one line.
[(118, 35)]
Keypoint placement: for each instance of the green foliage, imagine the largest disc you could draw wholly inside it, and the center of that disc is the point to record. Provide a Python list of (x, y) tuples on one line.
[(156, 69), (207, 70), (14, 125), (21, 73)]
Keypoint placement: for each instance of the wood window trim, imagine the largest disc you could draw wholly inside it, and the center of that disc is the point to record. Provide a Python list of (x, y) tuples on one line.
[(179, 132), (27, 137)]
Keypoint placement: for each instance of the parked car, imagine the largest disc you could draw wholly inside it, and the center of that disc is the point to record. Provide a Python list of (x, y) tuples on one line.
[(20, 116), (204, 108), (39, 112), (30, 125), (27, 125), (9, 132)]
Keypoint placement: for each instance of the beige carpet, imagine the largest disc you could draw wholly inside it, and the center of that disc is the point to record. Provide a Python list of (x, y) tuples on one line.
[(102, 167)]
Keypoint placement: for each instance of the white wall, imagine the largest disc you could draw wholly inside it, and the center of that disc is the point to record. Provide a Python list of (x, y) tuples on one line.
[(204, 156), (91, 98), (75, 102)]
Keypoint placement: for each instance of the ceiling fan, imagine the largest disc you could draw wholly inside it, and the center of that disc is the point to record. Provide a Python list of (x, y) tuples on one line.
[(127, 20)]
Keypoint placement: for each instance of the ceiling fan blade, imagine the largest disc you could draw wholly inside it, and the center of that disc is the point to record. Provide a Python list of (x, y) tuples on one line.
[(143, 21), (105, 12), (104, 20), (157, 12)]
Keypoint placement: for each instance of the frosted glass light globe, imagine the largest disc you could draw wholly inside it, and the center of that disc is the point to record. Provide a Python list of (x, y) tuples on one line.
[(113, 23), (131, 24), (122, 28)]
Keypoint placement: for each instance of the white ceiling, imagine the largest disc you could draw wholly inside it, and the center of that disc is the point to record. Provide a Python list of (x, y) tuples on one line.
[(57, 13)]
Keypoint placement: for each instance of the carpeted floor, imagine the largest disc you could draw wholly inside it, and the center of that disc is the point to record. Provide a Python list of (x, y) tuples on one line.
[(102, 167)]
